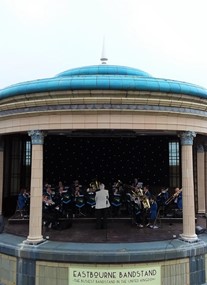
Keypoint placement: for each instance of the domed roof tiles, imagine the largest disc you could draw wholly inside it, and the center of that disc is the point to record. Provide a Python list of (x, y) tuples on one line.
[(104, 77)]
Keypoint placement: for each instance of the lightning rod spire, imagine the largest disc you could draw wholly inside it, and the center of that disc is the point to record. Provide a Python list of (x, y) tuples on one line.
[(103, 55)]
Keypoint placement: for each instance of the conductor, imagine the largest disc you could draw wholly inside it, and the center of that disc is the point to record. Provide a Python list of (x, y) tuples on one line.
[(102, 205)]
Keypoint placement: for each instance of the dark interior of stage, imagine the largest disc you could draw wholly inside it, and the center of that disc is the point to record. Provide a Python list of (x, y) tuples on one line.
[(107, 157)]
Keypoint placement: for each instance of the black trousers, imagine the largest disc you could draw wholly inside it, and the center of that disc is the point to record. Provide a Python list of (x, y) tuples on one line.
[(101, 218)]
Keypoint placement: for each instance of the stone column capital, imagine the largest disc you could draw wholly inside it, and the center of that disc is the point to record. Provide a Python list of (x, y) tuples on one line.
[(205, 147), (186, 138), (37, 137)]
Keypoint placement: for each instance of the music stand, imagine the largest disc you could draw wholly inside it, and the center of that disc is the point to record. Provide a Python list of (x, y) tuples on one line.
[(80, 203)]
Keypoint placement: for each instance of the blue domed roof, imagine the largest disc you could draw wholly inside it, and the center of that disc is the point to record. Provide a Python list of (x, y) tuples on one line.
[(104, 77), (103, 70)]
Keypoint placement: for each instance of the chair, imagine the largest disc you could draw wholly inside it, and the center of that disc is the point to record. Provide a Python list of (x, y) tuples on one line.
[(79, 204)]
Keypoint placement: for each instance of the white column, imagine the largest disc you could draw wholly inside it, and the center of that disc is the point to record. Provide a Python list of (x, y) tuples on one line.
[(205, 176), (188, 187), (201, 179), (35, 217), (1, 173)]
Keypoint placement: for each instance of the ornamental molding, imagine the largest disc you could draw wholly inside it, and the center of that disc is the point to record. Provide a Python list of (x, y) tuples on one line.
[(37, 137), (186, 138)]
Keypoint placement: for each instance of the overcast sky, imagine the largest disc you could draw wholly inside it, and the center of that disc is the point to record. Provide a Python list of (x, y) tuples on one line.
[(41, 38)]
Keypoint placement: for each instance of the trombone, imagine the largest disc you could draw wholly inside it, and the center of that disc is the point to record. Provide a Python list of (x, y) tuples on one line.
[(175, 195)]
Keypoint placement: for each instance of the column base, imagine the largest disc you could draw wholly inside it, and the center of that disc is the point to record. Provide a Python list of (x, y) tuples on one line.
[(201, 211), (34, 240), (189, 238)]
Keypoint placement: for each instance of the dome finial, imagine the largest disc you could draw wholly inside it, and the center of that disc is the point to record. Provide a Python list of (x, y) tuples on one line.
[(103, 55)]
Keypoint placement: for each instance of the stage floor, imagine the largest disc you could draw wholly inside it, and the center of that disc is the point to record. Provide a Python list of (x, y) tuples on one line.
[(119, 230)]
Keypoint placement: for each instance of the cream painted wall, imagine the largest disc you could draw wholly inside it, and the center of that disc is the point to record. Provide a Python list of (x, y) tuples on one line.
[(103, 120)]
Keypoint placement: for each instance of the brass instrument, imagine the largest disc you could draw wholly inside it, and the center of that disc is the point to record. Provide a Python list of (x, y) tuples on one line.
[(143, 198), (145, 202), (95, 185), (135, 194), (172, 197)]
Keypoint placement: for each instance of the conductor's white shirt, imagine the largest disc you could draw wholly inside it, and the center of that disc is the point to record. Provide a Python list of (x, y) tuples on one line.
[(102, 198)]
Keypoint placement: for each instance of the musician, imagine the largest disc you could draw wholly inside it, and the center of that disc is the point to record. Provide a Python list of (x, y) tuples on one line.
[(101, 207), (146, 204), (146, 192), (23, 201), (77, 189), (153, 213), (135, 183), (178, 200), (63, 200), (50, 209), (59, 196), (162, 197), (60, 185), (117, 188), (49, 193), (137, 212)]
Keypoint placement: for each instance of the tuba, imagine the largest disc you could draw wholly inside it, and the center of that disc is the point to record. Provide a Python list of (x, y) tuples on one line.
[(145, 202), (95, 185), (143, 198)]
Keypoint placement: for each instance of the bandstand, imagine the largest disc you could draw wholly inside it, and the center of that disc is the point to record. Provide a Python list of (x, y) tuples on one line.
[(115, 122)]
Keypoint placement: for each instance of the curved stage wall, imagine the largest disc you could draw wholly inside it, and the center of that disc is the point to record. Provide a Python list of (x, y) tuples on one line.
[(172, 262)]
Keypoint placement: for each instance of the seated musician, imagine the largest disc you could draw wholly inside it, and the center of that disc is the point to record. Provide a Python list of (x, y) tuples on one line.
[(178, 201), (49, 193), (46, 184), (59, 196), (50, 209), (63, 201), (47, 200), (135, 182), (117, 188), (60, 184), (77, 192), (146, 192), (77, 189), (116, 198)]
